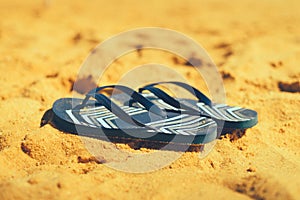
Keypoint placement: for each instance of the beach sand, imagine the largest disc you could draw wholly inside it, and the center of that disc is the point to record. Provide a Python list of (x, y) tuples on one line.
[(256, 46)]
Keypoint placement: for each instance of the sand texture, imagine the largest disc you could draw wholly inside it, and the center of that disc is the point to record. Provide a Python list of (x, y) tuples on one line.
[(255, 44)]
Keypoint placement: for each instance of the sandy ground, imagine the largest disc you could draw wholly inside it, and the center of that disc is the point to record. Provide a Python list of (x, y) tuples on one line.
[(256, 46)]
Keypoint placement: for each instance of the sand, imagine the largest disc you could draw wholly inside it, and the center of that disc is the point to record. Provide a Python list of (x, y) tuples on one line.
[(256, 46)]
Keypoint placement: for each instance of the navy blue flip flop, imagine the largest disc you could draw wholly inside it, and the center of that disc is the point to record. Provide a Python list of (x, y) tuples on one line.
[(105, 118), (228, 118)]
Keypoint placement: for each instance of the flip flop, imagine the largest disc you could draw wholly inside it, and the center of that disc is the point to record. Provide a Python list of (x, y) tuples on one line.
[(228, 118), (103, 118)]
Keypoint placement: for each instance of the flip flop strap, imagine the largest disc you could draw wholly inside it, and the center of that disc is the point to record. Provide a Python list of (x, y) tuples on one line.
[(151, 107), (170, 100), (119, 112)]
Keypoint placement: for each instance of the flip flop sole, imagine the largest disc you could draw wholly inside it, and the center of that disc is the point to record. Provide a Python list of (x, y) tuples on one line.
[(100, 123), (227, 117)]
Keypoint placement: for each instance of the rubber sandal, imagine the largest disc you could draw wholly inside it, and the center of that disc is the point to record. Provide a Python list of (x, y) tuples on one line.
[(103, 118), (228, 118)]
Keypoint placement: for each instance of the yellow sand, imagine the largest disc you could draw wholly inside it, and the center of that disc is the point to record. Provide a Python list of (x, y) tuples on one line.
[(43, 44)]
